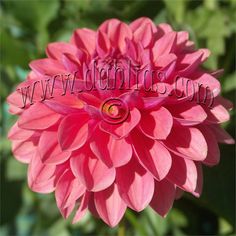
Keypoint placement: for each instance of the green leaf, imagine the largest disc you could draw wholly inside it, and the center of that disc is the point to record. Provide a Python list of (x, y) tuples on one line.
[(36, 14), (16, 170), (229, 83)]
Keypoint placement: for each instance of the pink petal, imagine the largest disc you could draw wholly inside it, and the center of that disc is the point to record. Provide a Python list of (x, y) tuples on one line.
[(136, 187), (84, 39), (113, 152), (213, 155), (217, 113), (144, 34), (152, 155), (56, 50), (188, 113), (156, 124), (221, 135), (122, 130), (163, 198), (103, 44), (187, 142), (38, 117), (73, 131), (71, 63), (110, 205), (91, 172), (47, 67), (49, 149), (117, 32), (17, 133), (190, 61), (23, 150), (68, 190), (41, 177), (141, 22), (164, 45), (65, 104), (198, 191), (82, 207), (183, 173)]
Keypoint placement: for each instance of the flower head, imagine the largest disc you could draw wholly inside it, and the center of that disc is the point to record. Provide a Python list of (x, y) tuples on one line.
[(124, 116)]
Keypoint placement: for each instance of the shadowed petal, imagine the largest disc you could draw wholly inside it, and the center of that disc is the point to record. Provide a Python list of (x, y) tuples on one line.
[(163, 197)]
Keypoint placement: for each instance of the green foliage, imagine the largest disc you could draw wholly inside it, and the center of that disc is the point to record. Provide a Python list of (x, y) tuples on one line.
[(27, 27)]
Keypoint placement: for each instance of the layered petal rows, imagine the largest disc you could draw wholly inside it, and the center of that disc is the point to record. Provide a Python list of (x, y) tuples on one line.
[(118, 136)]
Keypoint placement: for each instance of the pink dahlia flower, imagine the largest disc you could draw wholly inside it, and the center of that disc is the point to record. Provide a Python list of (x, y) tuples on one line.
[(105, 134)]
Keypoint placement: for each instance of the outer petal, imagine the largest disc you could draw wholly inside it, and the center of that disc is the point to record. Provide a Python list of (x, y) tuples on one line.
[(110, 205), (38, 116), (188, 113), (23, 150), (113, 152), (135, 184), (49, 149), (156, 124), (56, 50), (73, 131), (41, 177), (82, 207), (164, 45), (17, 133), (163, 197), (152, 155), (84, 39), (187, 142), (117, 32), (221, 135), (47, 66), (213, 155), (217, 113), (68, 190), (183, 173), (141, 22), (92, 173)]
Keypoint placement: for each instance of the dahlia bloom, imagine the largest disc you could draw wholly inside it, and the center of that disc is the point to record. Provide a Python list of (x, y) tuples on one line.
[(107, 141)]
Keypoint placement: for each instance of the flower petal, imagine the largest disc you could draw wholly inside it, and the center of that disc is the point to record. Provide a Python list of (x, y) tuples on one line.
[(73, 131), (163, 198), (49, 149), (187, 142), (152, 155), (122, 130), (213, 155), (221, 135), (183, 173), (110, 205), (82, 207), (156, 124), (68, 190), (38, 117), (92, 173), (136, 187), (84, 39), (113, 152)]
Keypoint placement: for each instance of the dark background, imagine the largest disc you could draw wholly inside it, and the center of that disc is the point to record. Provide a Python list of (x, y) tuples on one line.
[(27, 27)]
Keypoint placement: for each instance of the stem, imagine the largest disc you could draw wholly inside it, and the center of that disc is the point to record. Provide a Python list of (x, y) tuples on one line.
[(121, 228)]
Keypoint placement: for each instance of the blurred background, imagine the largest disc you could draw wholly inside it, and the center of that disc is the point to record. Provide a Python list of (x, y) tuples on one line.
[(28, 26)]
